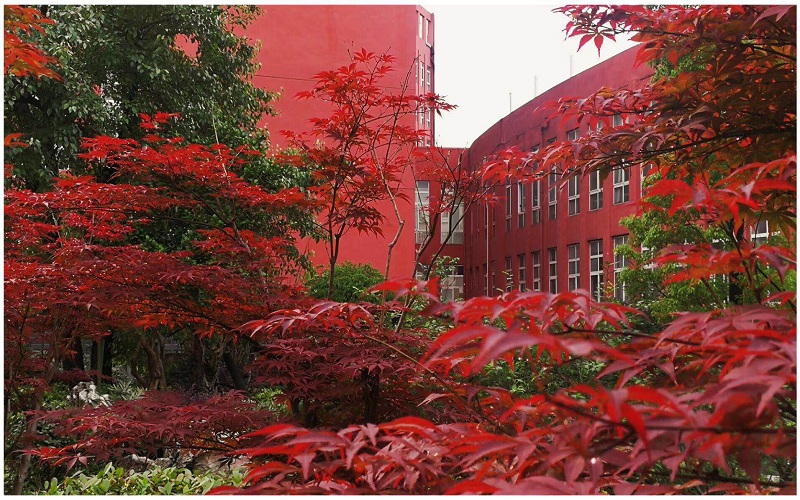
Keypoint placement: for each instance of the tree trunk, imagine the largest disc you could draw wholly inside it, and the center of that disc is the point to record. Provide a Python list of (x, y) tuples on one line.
[(234, 369), (371, 385)]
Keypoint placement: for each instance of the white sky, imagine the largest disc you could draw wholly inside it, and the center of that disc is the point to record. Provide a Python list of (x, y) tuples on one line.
[(484, 52)]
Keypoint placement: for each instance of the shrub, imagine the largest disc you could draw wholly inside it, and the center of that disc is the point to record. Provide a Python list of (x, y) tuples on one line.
[(153, 481)]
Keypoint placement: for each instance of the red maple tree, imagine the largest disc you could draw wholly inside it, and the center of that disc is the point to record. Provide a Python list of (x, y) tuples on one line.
[(706, 404), (709, 401)]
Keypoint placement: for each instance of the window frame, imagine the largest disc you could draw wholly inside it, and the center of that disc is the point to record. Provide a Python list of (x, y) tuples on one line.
[(596, 269), (573, 266), (620, 263), (595, 191)]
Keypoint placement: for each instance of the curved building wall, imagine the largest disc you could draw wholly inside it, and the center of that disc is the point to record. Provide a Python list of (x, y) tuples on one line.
[(571, 250)]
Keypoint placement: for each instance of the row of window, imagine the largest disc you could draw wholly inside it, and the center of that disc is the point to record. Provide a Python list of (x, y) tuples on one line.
[(621, 180), (518, 278), (425, 32)]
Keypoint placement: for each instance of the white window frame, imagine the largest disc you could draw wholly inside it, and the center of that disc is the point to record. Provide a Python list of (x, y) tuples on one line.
[(536, 270), (536, 202), (574, 195), (622, 176), (509, 275), (457, 232), (573, 266), (622, 173), (574, 182), (422, 77), (522, 279), (620, 263), (520, 205), (453, 285), (552, 196), (509, 204), (595, 191), (427, 32), (759, 234), (596, 269), (429, 79), (552, 270), (422, 195), (644, 174), (421, 21)]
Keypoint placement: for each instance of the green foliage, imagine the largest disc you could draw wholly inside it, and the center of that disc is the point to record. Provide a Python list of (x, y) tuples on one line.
[(350, 282), (153, 481), (118, 61), (265, 399), (124, 390)]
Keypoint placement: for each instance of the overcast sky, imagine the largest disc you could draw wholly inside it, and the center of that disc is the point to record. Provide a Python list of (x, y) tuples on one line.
[(484, 52)]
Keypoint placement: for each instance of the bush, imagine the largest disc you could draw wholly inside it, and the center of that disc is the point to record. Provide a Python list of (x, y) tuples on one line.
[(154, 481), (349, 282)]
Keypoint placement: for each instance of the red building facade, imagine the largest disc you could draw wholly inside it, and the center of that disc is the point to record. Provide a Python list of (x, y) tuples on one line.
[(551, 235), (548, 235), (299, 41)]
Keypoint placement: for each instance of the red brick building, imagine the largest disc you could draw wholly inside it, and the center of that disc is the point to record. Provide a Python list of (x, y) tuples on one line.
[(541, 236), (549, 235), (299, 41)]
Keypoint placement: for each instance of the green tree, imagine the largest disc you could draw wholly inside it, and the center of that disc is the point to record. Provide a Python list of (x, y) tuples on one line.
[(119, 61)]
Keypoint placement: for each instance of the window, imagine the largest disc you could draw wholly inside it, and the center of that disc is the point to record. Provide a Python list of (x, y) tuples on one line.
[(553, 196), (421, 200), (536, 264), (509, 275), (427, 31), (646, 169), (453, 224), (620, 263), (596, 269), (429, 79), (595, 191), (422, 77), (509, 204), (574, 183), (553, 192), (574, 267), (522, 280), (572, 135), (622, 175), (574, 195), (421, 21), (552, 274), (759, 234), (428, 115), (452, 287), (520, 205)]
